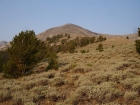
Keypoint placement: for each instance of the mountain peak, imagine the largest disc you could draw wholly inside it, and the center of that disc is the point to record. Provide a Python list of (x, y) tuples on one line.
[(72, 29)]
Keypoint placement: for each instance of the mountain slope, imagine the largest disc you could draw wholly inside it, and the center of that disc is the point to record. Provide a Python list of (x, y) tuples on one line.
[(110, 77), (3, 43), (71, 29)]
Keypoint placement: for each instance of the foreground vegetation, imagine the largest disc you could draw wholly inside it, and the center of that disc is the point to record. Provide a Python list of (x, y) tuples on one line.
[(110, 77), (101, 73), (26, 51)]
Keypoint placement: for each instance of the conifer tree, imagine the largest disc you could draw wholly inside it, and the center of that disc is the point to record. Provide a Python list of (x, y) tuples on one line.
[(25, 51), (137, 44)]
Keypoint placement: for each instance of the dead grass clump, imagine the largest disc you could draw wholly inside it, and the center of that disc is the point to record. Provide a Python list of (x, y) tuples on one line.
[(42, 81), (117, 77), (65, 68), (4, 95), (136, 86), (49, 74), (75, 76), (84, 90), (30, 103), (130, 95), (105, 92), (83, 81), (102, 93), (100, 78), (122, 65), (73, 99), (53, 94), (129, 82), (28, 84), (24, 97), (58, 81), (132, 59), (86, 83), (29, 96), (16, 88), (80, 69), (134, 71)]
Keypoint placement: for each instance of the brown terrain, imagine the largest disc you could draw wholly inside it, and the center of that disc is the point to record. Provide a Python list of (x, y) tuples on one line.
[(110, 77)]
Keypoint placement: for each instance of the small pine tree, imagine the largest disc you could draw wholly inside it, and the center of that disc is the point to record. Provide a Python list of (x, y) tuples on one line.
[(100, 47), (53, 63), (137, 44), (127, 37), (113, 46), (92, 39), (101, 38)]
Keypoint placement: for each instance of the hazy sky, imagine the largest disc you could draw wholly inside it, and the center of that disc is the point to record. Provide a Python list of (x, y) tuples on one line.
[(103, 16)]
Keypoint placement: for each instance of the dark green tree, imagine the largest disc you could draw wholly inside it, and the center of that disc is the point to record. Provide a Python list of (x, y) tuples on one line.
[(100, 47), (92, 39), (101, 38), (52, 61), (84, 41), (25, 51), (3, 59), (139, 32), (127, 37), (137, 44)]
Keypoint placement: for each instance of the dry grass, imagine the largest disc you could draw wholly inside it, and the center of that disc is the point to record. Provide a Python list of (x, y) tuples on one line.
[(110, 77)]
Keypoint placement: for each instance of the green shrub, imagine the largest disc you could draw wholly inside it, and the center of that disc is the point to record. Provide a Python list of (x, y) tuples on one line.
[(52, 64), (3, 59), (127, 37), (84, 51), (137, 44), (112, 46), (101, 38), (100, 48)]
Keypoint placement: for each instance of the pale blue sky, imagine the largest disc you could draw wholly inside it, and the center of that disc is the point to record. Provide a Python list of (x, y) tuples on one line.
[(101, 16)]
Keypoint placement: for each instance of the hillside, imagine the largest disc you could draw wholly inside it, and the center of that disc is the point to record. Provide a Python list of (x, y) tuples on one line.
[(3, 43), (71, 29), (75, 30), (110, 77), (85, 75)]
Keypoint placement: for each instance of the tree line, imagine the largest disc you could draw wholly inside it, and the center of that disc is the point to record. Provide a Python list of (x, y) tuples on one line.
[(26, 51)]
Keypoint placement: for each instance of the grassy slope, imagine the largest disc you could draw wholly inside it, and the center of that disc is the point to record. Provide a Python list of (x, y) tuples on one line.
[(110, 77)]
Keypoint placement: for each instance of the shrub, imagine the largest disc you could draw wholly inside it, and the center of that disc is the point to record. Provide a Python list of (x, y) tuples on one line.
[(100, 48), (58, 81), (137, 44), (53, 94), (127, 37), (92, 39), (112, 46), (4, 95), (52, 64), (83, 51), (129, 96), (101, 38)]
